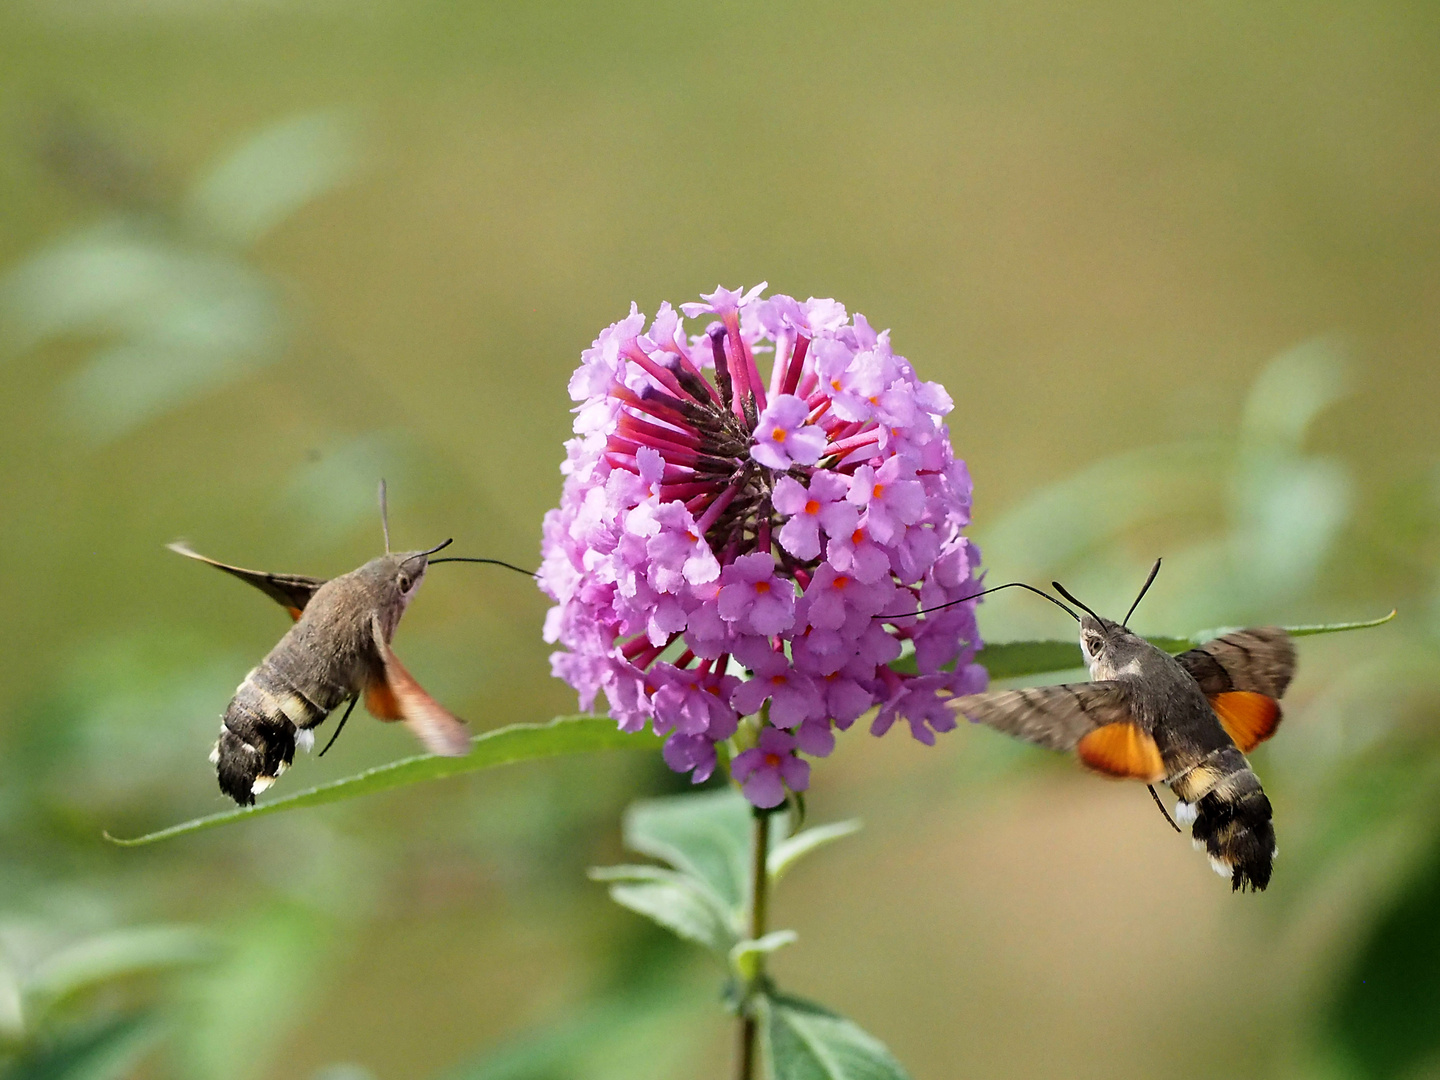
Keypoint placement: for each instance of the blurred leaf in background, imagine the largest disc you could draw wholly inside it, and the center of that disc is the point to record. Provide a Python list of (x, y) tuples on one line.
[(1260, 510), (166, 285), (73, 1004)]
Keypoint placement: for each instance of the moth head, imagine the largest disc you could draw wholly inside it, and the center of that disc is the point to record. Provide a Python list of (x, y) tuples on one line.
[(1092, 638), (394, 579), (1110, 649), (409, 570)]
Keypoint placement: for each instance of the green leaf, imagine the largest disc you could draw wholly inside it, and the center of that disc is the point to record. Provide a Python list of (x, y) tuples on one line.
[(1389, 996), (1306, 630), (1389, 795), (705, 835), (1018, 659), (806, 1042), (107, 1052), (270, 972), (1014, 659), (274, 173), (504, 746), (769, 943), (787, 852), (680, 904), (695, 924), (106, 957), (602, 1040), (745, 957)]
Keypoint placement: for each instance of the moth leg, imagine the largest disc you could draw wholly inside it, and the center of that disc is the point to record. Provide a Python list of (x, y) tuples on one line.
[(1151, 788), (341, 726)]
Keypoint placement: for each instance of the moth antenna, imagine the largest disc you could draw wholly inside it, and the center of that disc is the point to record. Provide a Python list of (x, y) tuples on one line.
[(1143, 590), (1156, 797), (385, 516), (341, 726), (986, 592), (1061, 590), (488, 562), (438, 547)]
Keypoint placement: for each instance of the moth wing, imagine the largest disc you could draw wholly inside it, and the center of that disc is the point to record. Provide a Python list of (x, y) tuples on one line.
[(1243, 674), (1260, 660), (1247, 717), (1093, 719), (291, 591), (1057, 717), (1121, 749), (395, 695)]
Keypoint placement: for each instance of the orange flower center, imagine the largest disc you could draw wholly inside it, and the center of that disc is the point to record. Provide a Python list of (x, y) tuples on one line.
[(812, 508), (772, 761), (778, 434), (762, 587)]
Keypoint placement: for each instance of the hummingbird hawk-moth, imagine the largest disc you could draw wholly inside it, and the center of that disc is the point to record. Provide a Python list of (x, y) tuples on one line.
[(337, 651), (1186, 720)]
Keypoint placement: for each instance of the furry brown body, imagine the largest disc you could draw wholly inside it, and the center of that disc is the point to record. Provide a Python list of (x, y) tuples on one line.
[(338, 649), (1184, 720)]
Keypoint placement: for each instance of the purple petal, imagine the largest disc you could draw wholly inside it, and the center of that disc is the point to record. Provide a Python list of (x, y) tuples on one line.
[(789, 496), (815, 738), (734, 601), (807, 444), (796, 773), (750, 695), (746, 762), (764, 789), (801, 537), (770, 455)]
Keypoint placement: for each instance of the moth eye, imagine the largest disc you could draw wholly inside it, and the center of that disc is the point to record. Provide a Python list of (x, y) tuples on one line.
[(404, 583), (1093, 644)]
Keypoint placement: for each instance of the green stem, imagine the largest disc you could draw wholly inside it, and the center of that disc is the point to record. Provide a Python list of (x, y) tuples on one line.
[(757, 909)]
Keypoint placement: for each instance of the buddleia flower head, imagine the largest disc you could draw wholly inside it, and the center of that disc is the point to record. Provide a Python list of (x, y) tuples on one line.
[(730, 544)]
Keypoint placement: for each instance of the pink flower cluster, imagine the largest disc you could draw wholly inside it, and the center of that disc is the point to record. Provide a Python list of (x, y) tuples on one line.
[(715, 521)]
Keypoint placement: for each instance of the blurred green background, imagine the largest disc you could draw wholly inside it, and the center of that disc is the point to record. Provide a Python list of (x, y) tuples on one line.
[(1177, 264)]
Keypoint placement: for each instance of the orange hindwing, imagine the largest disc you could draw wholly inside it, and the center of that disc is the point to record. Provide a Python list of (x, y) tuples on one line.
[(381, 701), (1124, 750), (1247, 717)]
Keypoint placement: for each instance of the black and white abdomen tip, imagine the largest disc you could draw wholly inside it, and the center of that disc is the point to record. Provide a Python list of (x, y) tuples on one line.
[(259, 734), (1237, 834)]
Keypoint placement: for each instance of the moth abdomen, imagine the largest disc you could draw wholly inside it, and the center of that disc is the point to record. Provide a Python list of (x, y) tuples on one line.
[(259, 733), (1231, 815)]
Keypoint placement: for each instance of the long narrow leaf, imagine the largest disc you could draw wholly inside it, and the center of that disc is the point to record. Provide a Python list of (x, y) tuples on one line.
[(582, 734), (1018, 659), (1306, 630), (504, 746)]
